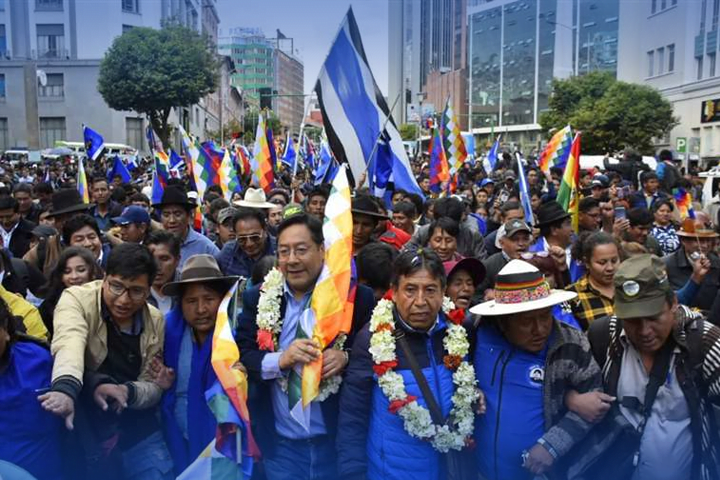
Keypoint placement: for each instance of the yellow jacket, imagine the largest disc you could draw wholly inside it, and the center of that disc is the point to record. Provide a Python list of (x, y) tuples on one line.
[(80, 340), (20, 307)]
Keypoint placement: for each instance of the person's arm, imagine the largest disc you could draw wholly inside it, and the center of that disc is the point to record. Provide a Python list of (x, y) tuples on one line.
[(355, 410), (571, 428), (687, 293), (144, 392), (68, 344), (710, 370)]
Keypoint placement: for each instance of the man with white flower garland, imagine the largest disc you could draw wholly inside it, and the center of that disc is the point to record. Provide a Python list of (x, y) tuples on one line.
[(272, 344), (526, 362), (409, 397)]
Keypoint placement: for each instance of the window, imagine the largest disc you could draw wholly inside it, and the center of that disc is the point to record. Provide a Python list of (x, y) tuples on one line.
[(55, 5), (54, 87), (134, 132), (3, 40), (2, 85), (716, 7), (663, 4), (653, 7), (671, 57), (651, 63), (131, 6), (2, 5), (711, 61), (4, 145), (50, 41), (52, 129), (126, 28), (699, 66), (661, 60)]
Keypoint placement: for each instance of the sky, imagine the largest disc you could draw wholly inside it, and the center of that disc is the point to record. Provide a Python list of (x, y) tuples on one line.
[(314, 24)]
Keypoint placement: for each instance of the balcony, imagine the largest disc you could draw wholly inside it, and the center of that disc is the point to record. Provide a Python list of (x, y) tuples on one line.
[(50, 54)]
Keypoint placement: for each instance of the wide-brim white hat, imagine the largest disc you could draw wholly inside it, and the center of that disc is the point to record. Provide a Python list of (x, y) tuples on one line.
[(520, 287), (254, 198)]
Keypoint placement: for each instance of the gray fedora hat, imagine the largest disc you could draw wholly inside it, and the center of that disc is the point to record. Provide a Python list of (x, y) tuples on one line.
[(201, 268)]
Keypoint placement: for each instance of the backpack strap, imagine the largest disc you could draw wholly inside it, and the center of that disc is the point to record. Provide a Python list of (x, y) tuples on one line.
[(599, 337)]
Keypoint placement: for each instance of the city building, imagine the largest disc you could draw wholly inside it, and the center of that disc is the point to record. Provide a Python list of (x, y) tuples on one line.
[(516, 49), (268, 71), (674, 49), (427, 42), (50, 54)]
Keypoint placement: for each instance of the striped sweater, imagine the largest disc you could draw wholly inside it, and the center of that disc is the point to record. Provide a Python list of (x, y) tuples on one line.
[(701, 389)]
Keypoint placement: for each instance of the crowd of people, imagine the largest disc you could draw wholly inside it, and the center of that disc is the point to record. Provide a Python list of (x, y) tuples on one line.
[(482, 346)]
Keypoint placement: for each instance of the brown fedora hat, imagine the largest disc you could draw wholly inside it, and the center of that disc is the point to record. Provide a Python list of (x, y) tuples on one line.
[(692, 228), (201, 268)]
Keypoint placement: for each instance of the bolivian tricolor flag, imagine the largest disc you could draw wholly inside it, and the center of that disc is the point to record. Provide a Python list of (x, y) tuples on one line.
[(569, 193)]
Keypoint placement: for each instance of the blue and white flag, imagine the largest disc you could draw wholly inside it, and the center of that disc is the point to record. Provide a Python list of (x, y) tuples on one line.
[(524, 193), (327, 166), (132, 164), (119, 168), (94, 143), (290, 156), (492, 157), (355, 111), (177, 165)]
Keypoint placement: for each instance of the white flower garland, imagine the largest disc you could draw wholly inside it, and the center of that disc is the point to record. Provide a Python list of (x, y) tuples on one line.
[(270, 326), (417, 420)]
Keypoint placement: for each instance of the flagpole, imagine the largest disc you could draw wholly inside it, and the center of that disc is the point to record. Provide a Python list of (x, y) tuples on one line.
[(375, 145), (297, 156)]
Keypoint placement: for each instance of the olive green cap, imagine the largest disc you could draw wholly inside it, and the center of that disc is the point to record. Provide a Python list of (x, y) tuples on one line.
[(291, 210), (641, 284)]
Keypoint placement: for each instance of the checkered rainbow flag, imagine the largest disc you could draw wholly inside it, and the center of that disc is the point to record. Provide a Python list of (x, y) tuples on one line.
[(452, 139)]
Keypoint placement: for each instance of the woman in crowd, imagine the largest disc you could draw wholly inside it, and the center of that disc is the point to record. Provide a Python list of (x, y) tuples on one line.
[(83, 231), (443, 239), (30, 436), (76, 266), (663, 229), (189, 423), (600, 254)]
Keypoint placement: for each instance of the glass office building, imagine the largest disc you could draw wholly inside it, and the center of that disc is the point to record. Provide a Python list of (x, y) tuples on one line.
[(517, 47)]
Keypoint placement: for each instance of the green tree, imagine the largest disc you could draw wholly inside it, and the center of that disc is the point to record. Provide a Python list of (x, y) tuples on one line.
[(152, 71), (408, 131), (251, 120), (230, 128), (611, 115)]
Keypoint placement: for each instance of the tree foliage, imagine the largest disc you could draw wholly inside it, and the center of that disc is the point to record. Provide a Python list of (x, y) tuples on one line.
[(152, 71), (250, 124), (611, 115), (408, 131)]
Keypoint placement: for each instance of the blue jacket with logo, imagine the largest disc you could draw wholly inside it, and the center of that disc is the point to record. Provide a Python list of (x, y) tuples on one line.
[(372, 442)]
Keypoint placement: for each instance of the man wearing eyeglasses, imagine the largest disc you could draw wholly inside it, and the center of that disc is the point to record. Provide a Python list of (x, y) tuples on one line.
[(106, 336), (252, 242)]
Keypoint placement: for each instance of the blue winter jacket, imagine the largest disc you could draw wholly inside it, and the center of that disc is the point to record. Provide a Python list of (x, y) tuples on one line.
[(201, 423), (373, 442), (30, 436)]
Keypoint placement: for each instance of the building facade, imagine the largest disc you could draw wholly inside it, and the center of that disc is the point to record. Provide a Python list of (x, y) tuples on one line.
[(427, 39), (676, 47), (516, 49), (268, 71), (50, 54)]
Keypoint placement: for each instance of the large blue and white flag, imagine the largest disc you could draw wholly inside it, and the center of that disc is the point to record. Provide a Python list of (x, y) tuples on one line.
[(94, 143), (177, 165), (355, 112)]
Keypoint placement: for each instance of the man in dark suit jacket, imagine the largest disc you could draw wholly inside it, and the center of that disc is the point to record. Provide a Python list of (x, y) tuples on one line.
[(289, 449), (15, 231)]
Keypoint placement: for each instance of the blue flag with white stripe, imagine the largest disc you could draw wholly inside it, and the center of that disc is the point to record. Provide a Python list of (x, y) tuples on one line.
[(94, 143), (524, 193), (492, 157), (290, 156), (355, 111)]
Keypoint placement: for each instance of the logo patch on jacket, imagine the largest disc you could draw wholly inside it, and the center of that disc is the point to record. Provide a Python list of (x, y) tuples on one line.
[(536, 375)]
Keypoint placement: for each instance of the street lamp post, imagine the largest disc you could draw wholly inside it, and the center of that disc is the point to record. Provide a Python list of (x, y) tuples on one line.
[(576, 32), (421, 97)]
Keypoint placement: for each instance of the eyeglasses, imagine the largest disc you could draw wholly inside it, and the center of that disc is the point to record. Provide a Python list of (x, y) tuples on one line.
[(243, 239), (300, 252), (135, 293)]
